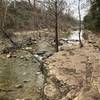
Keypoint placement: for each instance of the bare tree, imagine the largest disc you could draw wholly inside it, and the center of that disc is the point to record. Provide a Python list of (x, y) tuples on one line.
[(54, 9), (80, 24), (5, 4), (30, 3)]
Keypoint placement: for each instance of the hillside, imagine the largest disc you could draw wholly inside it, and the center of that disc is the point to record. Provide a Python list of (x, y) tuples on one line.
[(21, 16)]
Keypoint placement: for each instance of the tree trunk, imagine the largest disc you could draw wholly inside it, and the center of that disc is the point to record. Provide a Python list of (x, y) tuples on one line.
[(56, 27), (80, 25)]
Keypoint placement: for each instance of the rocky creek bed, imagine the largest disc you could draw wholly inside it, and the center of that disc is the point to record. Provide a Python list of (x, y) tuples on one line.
[(21, 77), (35, 72), (22, 73)]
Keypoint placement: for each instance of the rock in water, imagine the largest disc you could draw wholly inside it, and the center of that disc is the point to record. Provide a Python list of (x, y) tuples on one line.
[(21, 57), (41, 52), (28, 48), (8, 56), (19, 86), (39, 58)]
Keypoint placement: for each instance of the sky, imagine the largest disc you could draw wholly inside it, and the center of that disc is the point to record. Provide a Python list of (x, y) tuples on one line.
[(74, 7)]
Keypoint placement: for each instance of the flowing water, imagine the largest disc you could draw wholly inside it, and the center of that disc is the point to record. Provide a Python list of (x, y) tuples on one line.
[(75, 35)]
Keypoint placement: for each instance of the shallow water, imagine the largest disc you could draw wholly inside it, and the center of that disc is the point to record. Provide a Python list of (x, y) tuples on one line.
[(17, 75), (21, 77)]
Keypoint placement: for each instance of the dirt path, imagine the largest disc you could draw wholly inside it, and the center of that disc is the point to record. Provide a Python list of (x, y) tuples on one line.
[(74, 74)]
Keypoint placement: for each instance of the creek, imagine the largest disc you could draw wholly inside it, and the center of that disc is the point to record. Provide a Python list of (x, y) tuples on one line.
[(21, 76)]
